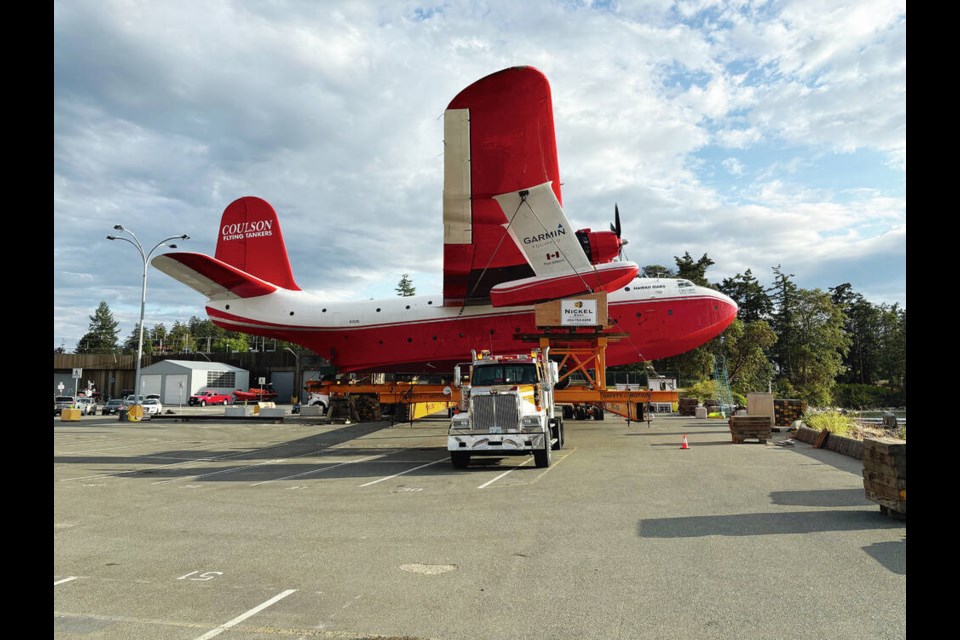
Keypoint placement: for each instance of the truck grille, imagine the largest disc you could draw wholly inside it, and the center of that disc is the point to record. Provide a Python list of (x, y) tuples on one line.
[(501, 411)]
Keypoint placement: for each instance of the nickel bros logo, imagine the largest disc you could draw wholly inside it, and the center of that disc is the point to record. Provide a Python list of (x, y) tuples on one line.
[(578, 312), (244, 230)]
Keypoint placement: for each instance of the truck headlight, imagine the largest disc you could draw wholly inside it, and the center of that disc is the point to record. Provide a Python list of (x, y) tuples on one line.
[(531, 424), (460, 422)]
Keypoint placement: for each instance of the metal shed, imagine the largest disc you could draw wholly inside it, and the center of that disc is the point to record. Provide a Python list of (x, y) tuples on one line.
[(177, 380)]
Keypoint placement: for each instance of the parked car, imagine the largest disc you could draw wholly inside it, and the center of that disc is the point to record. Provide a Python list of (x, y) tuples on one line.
[(152, 406), (153, 396), (63, 402), (205, 397), (113, 406), (87, 406)]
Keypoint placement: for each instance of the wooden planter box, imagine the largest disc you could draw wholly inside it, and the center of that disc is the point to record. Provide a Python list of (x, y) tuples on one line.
[(742, 427), (885, 475)]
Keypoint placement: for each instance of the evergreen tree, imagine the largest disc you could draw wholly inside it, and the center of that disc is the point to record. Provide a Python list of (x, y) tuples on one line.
[(180, 340), (695, 272), (405, 287), (657, 271), (752, 299), (102, 333), (133, 340)]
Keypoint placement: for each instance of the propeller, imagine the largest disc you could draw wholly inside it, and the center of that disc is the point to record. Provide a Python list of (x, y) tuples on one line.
[(615, 226), (616, 229)]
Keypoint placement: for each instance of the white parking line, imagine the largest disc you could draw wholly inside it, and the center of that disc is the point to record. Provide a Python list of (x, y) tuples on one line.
[(244, 616), (320, 470), (64, 580), (490, 482), (404, 472)]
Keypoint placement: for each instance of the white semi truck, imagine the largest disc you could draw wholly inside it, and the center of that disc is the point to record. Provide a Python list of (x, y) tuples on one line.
[(506, 408)]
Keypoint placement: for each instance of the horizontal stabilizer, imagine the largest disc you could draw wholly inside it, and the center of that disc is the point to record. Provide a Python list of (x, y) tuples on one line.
[(211, 277)]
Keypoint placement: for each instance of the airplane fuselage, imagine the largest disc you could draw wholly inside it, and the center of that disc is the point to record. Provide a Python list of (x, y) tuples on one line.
[(662, 316)]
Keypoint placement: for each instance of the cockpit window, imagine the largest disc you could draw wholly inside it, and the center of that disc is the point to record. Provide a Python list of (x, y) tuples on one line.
[(684, 283)]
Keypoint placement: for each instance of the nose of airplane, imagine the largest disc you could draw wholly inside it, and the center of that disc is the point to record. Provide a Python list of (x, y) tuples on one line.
[(728, 308)]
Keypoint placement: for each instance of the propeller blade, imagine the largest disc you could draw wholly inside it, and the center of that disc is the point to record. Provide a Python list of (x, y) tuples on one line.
[(615, 227)]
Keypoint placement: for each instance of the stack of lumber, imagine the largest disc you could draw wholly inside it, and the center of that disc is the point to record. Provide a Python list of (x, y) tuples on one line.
[(742, 427), (885, 475), (786, 412), (687, 406)]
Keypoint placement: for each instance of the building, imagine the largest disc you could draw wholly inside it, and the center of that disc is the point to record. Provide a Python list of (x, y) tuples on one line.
[(177, 380)]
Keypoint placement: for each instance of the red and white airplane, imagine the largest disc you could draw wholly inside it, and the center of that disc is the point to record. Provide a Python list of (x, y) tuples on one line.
[(507, 245)]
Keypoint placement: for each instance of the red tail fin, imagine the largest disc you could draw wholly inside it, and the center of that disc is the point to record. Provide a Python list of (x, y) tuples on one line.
[(250, 240)]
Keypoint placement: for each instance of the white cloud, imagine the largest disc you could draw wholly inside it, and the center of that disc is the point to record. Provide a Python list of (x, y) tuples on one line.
[(166, 112)]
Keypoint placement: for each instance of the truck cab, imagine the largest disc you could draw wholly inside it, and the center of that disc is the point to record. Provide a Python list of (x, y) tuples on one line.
[(507, 408)]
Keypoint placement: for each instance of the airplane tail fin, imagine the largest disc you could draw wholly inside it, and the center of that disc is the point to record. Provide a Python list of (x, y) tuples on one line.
[(250, 240), (251, 258)]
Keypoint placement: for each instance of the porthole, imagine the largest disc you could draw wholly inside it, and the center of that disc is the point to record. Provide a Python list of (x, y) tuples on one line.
[(669, 312), (626, 288), (434, 337), (291, 313), (228, 307), (409, 339), (429, 301), (381, 342), (461, 334), (378, 309), (323, 310), (407, 307)]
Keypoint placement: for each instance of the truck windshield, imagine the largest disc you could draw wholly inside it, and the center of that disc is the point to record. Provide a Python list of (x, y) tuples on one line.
[(504, 374)]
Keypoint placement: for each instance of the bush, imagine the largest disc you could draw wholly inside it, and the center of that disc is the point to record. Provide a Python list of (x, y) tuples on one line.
[(867, 396), (833, 421)]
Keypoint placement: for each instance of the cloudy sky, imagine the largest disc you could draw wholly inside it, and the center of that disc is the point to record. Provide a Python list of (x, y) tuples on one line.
[(760, 133)]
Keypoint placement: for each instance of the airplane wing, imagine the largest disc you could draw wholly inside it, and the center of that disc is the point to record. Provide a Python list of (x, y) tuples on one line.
[(506, 238), (211, 277), (498, 138)]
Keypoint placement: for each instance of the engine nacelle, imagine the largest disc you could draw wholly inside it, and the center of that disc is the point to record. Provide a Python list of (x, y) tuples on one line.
[(600, 246)]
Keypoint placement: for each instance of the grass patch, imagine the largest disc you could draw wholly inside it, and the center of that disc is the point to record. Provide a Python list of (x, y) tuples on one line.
[(834, 422)]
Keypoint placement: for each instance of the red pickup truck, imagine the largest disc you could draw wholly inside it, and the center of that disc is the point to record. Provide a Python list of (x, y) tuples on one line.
[(203, 398)]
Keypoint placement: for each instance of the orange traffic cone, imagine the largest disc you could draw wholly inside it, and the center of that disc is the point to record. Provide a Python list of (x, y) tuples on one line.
[(684, 445)]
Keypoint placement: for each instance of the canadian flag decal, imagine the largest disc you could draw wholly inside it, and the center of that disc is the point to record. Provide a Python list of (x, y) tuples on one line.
[(555, 254)]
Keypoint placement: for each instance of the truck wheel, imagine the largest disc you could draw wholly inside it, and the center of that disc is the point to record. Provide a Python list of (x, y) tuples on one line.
[(598, 414), (542, 456), (460, 459)]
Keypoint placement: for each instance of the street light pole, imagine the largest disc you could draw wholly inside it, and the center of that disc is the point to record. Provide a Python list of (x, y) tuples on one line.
[(145, 257)]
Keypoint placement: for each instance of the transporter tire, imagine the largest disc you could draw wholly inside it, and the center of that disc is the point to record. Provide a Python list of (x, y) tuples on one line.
[(598, 413), (541, 457), (460, 459)]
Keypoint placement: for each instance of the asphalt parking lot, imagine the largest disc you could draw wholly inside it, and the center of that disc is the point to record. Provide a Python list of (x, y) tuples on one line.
[(239, 530)]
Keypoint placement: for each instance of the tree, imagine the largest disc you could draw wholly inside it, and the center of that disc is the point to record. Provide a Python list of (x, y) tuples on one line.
[(752, 299), (695, 272), (405, 287), (657, 271), (818, 344), (180, 340), (133, 341), (101, 336), (746, 347)]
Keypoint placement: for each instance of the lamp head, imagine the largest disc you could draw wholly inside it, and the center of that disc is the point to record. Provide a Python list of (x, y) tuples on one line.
[(118, 227)]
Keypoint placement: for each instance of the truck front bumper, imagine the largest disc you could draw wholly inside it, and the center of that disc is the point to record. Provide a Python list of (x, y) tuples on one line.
[(503, 443)]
